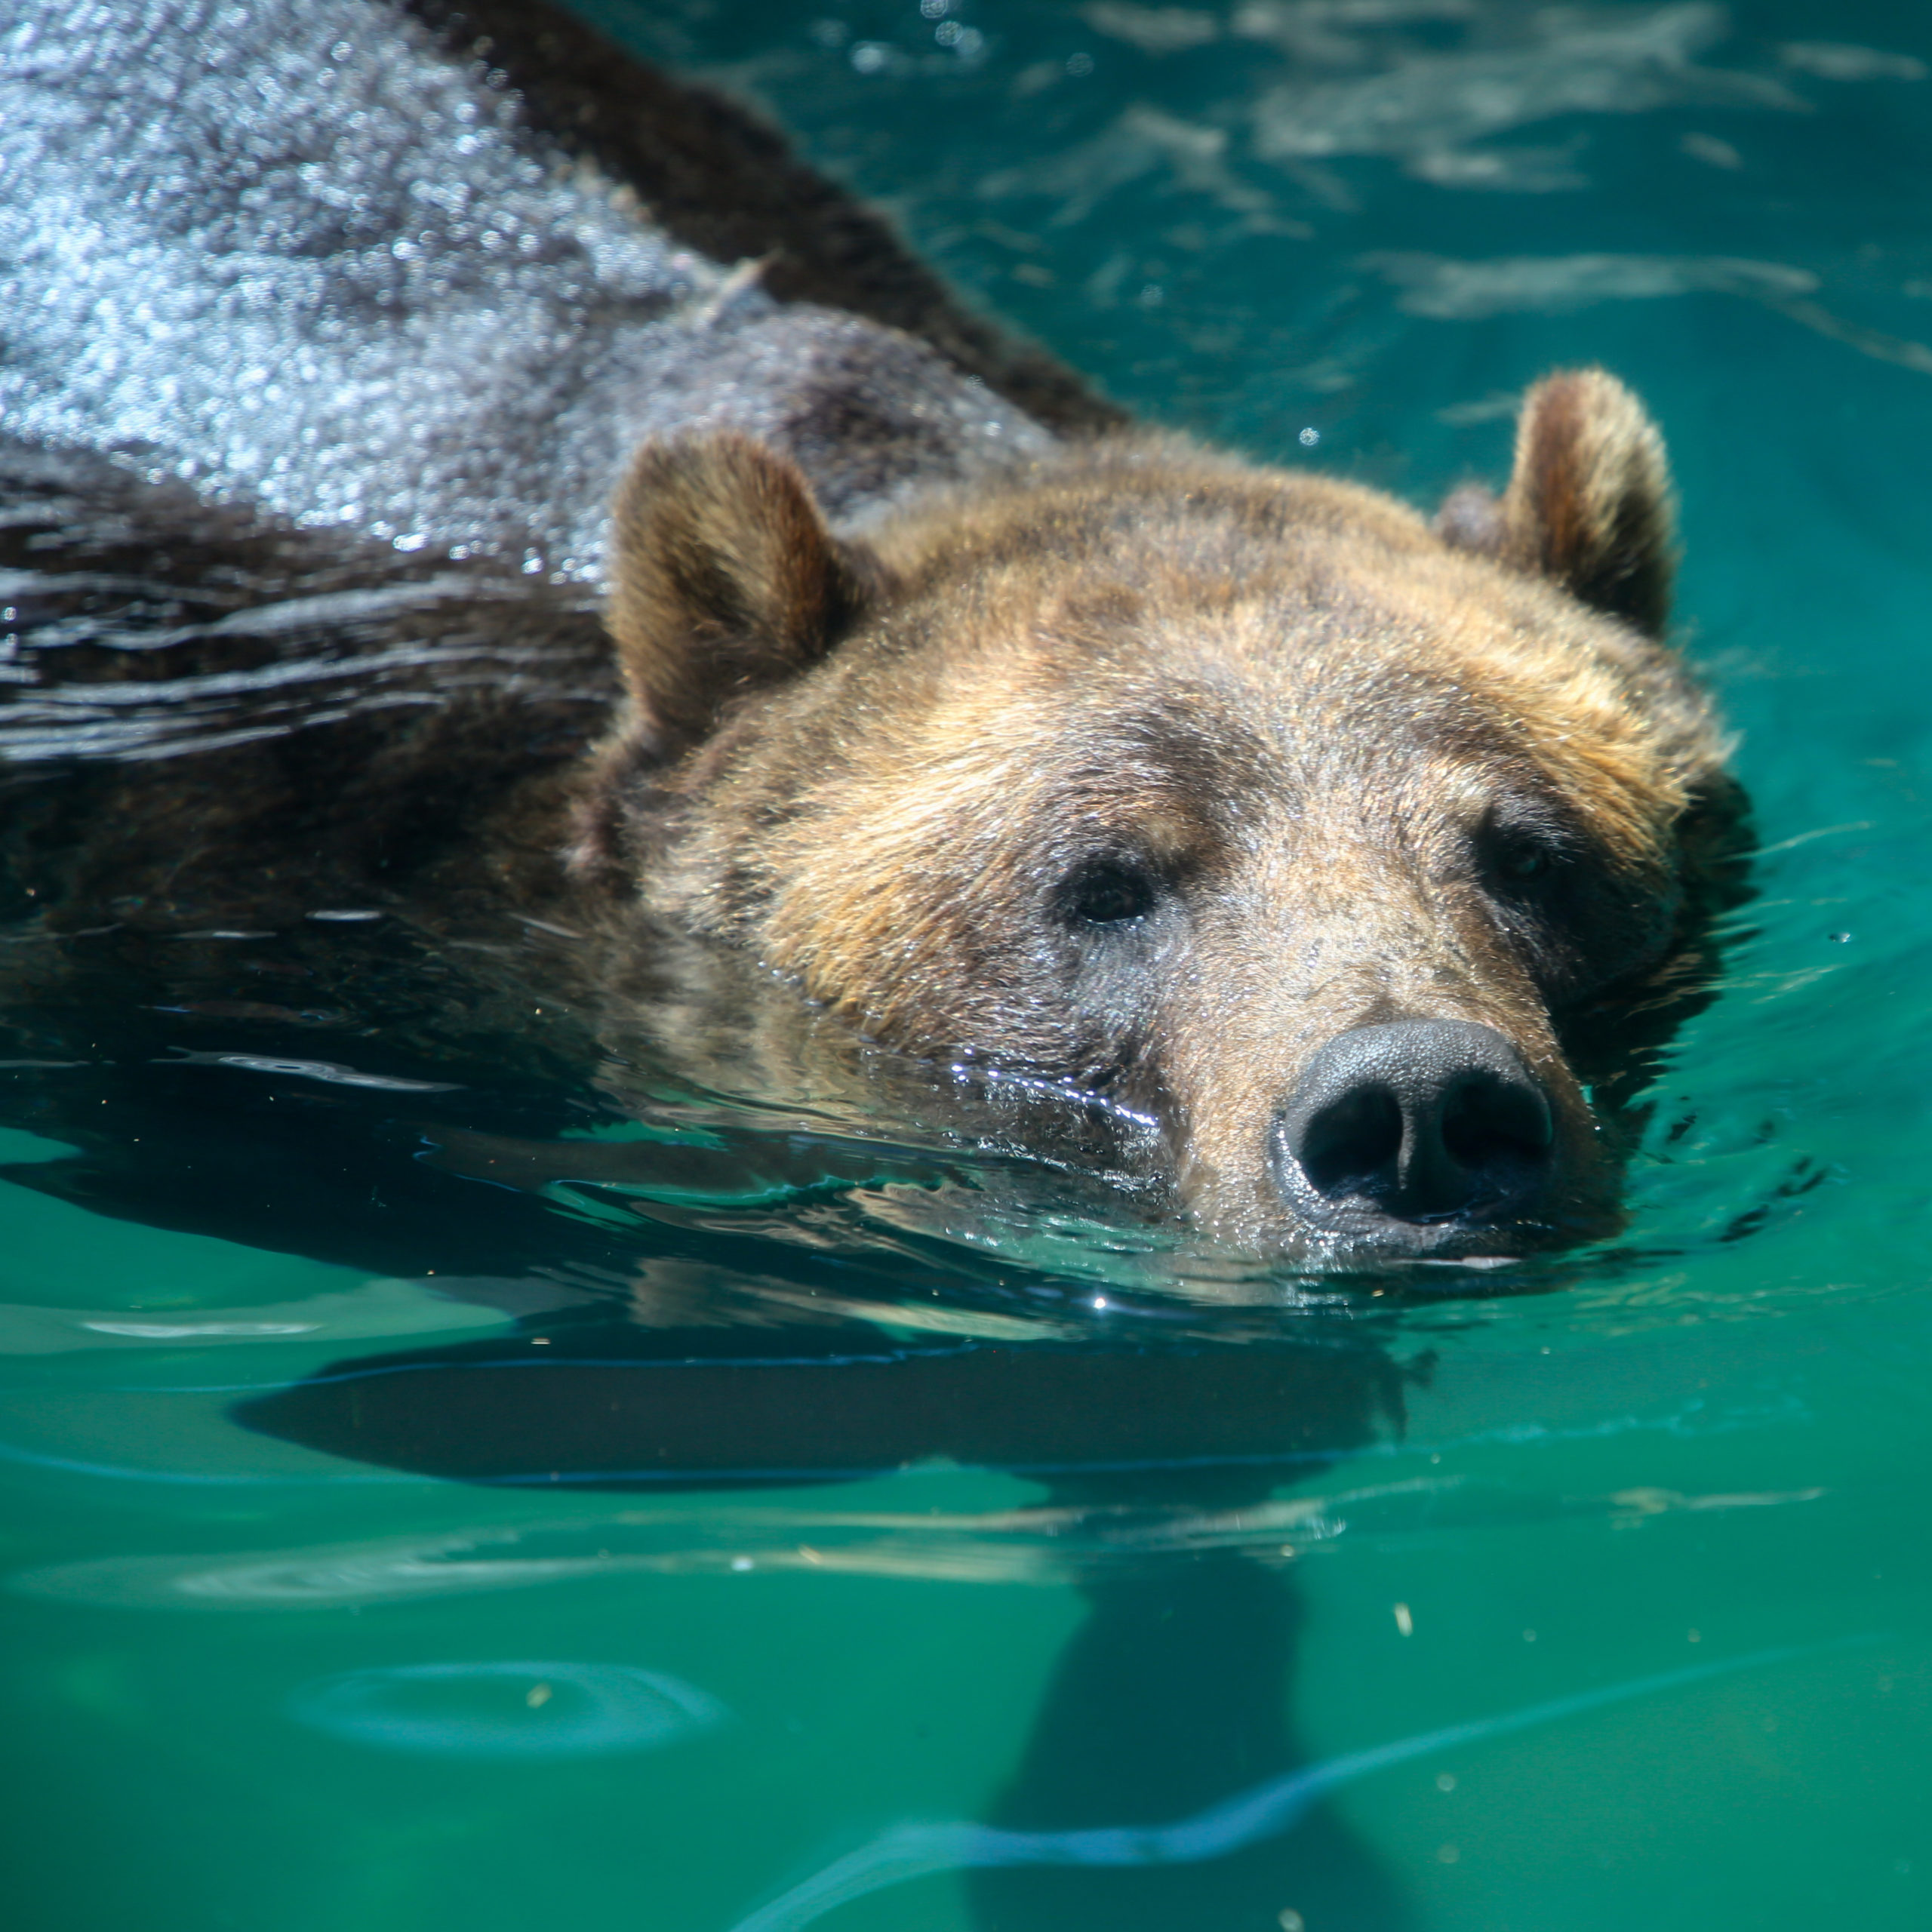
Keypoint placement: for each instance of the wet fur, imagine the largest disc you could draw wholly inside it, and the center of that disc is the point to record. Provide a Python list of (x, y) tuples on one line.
[(1306, 714)]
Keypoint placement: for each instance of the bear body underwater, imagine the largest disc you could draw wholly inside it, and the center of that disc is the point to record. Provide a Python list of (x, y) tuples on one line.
[(1295, 856)]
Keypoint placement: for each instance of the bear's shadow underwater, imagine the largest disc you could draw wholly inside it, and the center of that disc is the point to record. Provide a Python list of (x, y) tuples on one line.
[(292, 958)]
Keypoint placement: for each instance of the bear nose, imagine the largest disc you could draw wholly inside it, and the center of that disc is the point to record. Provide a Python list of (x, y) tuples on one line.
[(1421, 1121)]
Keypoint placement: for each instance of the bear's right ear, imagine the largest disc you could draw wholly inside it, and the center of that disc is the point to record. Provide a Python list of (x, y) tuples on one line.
[(1590, 503), (723, 578)]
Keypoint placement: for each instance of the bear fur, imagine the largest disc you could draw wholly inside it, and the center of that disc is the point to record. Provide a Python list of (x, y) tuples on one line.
[(1044, 784), (1149, 772)]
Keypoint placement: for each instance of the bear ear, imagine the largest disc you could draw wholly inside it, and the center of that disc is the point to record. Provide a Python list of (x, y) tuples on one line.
[(723, 578), (1590, 503)]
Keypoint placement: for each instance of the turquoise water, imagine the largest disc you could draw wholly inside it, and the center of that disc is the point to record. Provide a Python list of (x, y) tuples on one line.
[(1598, 1606)]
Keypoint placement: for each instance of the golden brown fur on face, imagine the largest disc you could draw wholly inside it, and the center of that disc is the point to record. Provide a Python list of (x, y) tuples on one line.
[(1154, 773)]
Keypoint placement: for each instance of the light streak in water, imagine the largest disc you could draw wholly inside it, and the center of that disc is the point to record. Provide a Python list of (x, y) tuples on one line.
[(915, 1850)]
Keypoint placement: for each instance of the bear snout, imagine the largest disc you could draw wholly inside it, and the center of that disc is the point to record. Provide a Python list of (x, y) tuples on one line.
[(1400, 1136)]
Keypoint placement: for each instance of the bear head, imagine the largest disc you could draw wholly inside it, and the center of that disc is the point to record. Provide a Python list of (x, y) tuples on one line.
[(1352, 862)]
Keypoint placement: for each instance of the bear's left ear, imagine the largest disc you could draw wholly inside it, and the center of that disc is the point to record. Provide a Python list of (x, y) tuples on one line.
[(1590, 503), (723, 578)]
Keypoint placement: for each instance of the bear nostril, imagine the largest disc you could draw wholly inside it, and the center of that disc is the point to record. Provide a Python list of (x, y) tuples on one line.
[(1495, 1134), (1486, 1121), (1417, 1122), (1352, 1143)]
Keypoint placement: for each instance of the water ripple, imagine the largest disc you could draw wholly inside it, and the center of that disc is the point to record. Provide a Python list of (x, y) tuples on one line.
[(507, 1710)]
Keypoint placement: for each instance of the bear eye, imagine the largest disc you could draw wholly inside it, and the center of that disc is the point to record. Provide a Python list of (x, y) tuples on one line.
[(1108, 892), (1519, 857)]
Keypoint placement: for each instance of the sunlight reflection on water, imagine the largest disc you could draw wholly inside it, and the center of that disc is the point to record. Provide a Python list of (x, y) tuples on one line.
[(919, 1850)]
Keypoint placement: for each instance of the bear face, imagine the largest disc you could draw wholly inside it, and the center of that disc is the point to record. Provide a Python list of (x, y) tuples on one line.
[(1328, 853)]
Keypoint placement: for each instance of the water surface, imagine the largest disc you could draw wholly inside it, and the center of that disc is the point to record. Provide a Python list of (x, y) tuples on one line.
[(1171, 1597)]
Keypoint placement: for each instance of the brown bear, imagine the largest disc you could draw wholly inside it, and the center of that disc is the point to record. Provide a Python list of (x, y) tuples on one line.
[(1324, 851), (1322, 875)]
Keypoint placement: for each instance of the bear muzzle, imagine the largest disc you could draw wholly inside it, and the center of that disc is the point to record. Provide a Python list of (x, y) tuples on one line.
[(1410, 1138)]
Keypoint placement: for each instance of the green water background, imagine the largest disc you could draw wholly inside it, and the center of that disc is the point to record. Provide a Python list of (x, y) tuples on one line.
[(1710, 1455)]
